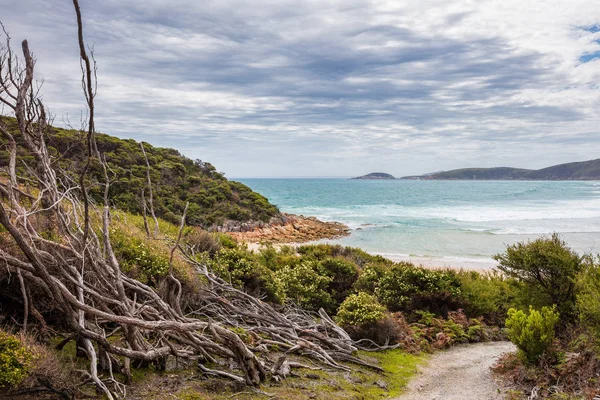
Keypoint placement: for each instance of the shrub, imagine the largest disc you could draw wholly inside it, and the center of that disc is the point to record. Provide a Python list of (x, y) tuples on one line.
[(488, 295), (549, 269), (364, 317), (134, 252), (202, 241), (588, 296), (304, 285), (532, 333), (405, 287), (369, 277), (360, 309), (239, 267), (343, 274), (16, 360)]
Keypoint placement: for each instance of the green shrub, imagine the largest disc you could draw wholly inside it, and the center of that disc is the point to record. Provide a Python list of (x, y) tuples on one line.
[(306, 286), (588, 296), (359, 310), (239, 267), (405, 287), (369, 277), (549, 268), (488, 295), (133, 252), (532, 333), (16, 360), (343, 274)]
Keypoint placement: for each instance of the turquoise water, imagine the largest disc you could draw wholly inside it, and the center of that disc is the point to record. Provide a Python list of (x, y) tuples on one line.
[(444, 222)]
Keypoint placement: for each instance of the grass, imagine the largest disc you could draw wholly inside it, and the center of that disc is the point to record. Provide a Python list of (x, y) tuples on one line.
[(360, 384)]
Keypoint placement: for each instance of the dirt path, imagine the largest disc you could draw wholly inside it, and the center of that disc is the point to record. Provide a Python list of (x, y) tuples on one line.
[(461, 373)]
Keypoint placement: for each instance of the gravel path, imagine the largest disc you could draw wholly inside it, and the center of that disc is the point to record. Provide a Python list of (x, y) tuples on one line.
[(461, 373)]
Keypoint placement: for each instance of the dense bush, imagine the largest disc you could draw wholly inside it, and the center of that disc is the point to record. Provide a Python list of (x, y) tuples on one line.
[(549, 268), (588, 296), (306, 286), (16, 360), (360, 309), (488, 295), (176, 179), (405, 287), (138, 256), (532, 333), (240, 268)]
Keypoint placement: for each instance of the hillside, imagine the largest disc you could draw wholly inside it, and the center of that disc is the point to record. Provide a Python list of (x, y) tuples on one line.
[(585, 170), (375, 175), (214, 200)]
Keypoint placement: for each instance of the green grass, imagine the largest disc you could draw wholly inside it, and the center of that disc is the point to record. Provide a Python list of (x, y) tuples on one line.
[(360, 384)]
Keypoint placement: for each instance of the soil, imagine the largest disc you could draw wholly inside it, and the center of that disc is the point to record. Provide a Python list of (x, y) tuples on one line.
[(461, 373)]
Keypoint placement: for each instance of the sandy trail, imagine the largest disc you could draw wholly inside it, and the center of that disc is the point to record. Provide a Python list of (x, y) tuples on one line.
[(461, 373)]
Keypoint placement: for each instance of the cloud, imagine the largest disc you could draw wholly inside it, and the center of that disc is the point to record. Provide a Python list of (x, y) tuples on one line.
[(312, 88)]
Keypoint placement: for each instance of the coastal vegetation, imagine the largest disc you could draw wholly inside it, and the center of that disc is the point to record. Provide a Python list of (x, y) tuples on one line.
[(107, 294), (175, 179)]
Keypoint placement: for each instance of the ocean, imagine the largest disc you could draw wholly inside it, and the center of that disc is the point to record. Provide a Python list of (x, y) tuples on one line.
[(444, 223)]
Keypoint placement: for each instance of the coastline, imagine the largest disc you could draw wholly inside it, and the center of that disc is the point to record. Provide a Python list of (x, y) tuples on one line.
[(289, 228), (296, 230)]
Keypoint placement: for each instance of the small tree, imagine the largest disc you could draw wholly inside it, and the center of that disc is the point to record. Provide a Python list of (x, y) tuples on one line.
[(588, 295), (532, 333), (548, 267)]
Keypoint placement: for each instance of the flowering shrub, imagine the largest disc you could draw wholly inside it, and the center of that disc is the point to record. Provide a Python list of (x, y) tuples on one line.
[(16, 361), (359, 310), (532, 333), (134, 253)]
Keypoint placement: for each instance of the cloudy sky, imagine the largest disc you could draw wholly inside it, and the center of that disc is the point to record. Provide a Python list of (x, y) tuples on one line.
[(269, 88)]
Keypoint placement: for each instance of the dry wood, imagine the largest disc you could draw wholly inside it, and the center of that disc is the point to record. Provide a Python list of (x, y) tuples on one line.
[(81, 276)]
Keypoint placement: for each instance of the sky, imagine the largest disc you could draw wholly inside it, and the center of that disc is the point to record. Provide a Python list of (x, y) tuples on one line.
[(293, 88)]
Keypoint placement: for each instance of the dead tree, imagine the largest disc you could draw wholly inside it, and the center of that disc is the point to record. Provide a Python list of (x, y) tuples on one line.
[(80, 274)]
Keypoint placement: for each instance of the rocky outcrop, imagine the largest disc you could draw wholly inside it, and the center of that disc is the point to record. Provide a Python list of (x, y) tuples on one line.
[(286, 228)]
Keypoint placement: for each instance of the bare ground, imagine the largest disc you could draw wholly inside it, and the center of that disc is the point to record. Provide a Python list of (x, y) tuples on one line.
[(461, 373)]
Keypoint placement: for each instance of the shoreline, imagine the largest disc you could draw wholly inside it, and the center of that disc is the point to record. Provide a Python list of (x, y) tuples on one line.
[(290, 228), (297, 230)]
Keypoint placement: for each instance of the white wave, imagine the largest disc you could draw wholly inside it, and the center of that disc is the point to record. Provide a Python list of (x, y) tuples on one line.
[(540, 210)]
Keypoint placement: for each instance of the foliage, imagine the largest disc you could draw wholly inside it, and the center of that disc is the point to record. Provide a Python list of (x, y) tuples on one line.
[(549, 268), (532, 333), (134, 253), (176, 179), (16, 360), (588, 295), (432, 332), (306, 286), (360, 309), (488, 295), (239, 267), (405, 287)]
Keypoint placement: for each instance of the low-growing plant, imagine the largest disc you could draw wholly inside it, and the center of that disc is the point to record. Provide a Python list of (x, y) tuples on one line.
[(16, 360), (360, 309), (532, 332)]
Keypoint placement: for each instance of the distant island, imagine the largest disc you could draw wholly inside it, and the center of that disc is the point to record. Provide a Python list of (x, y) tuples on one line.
[(376, 176), (582, 171)]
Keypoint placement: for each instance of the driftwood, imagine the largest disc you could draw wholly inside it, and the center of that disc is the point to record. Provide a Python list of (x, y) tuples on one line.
[(81, 276)]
